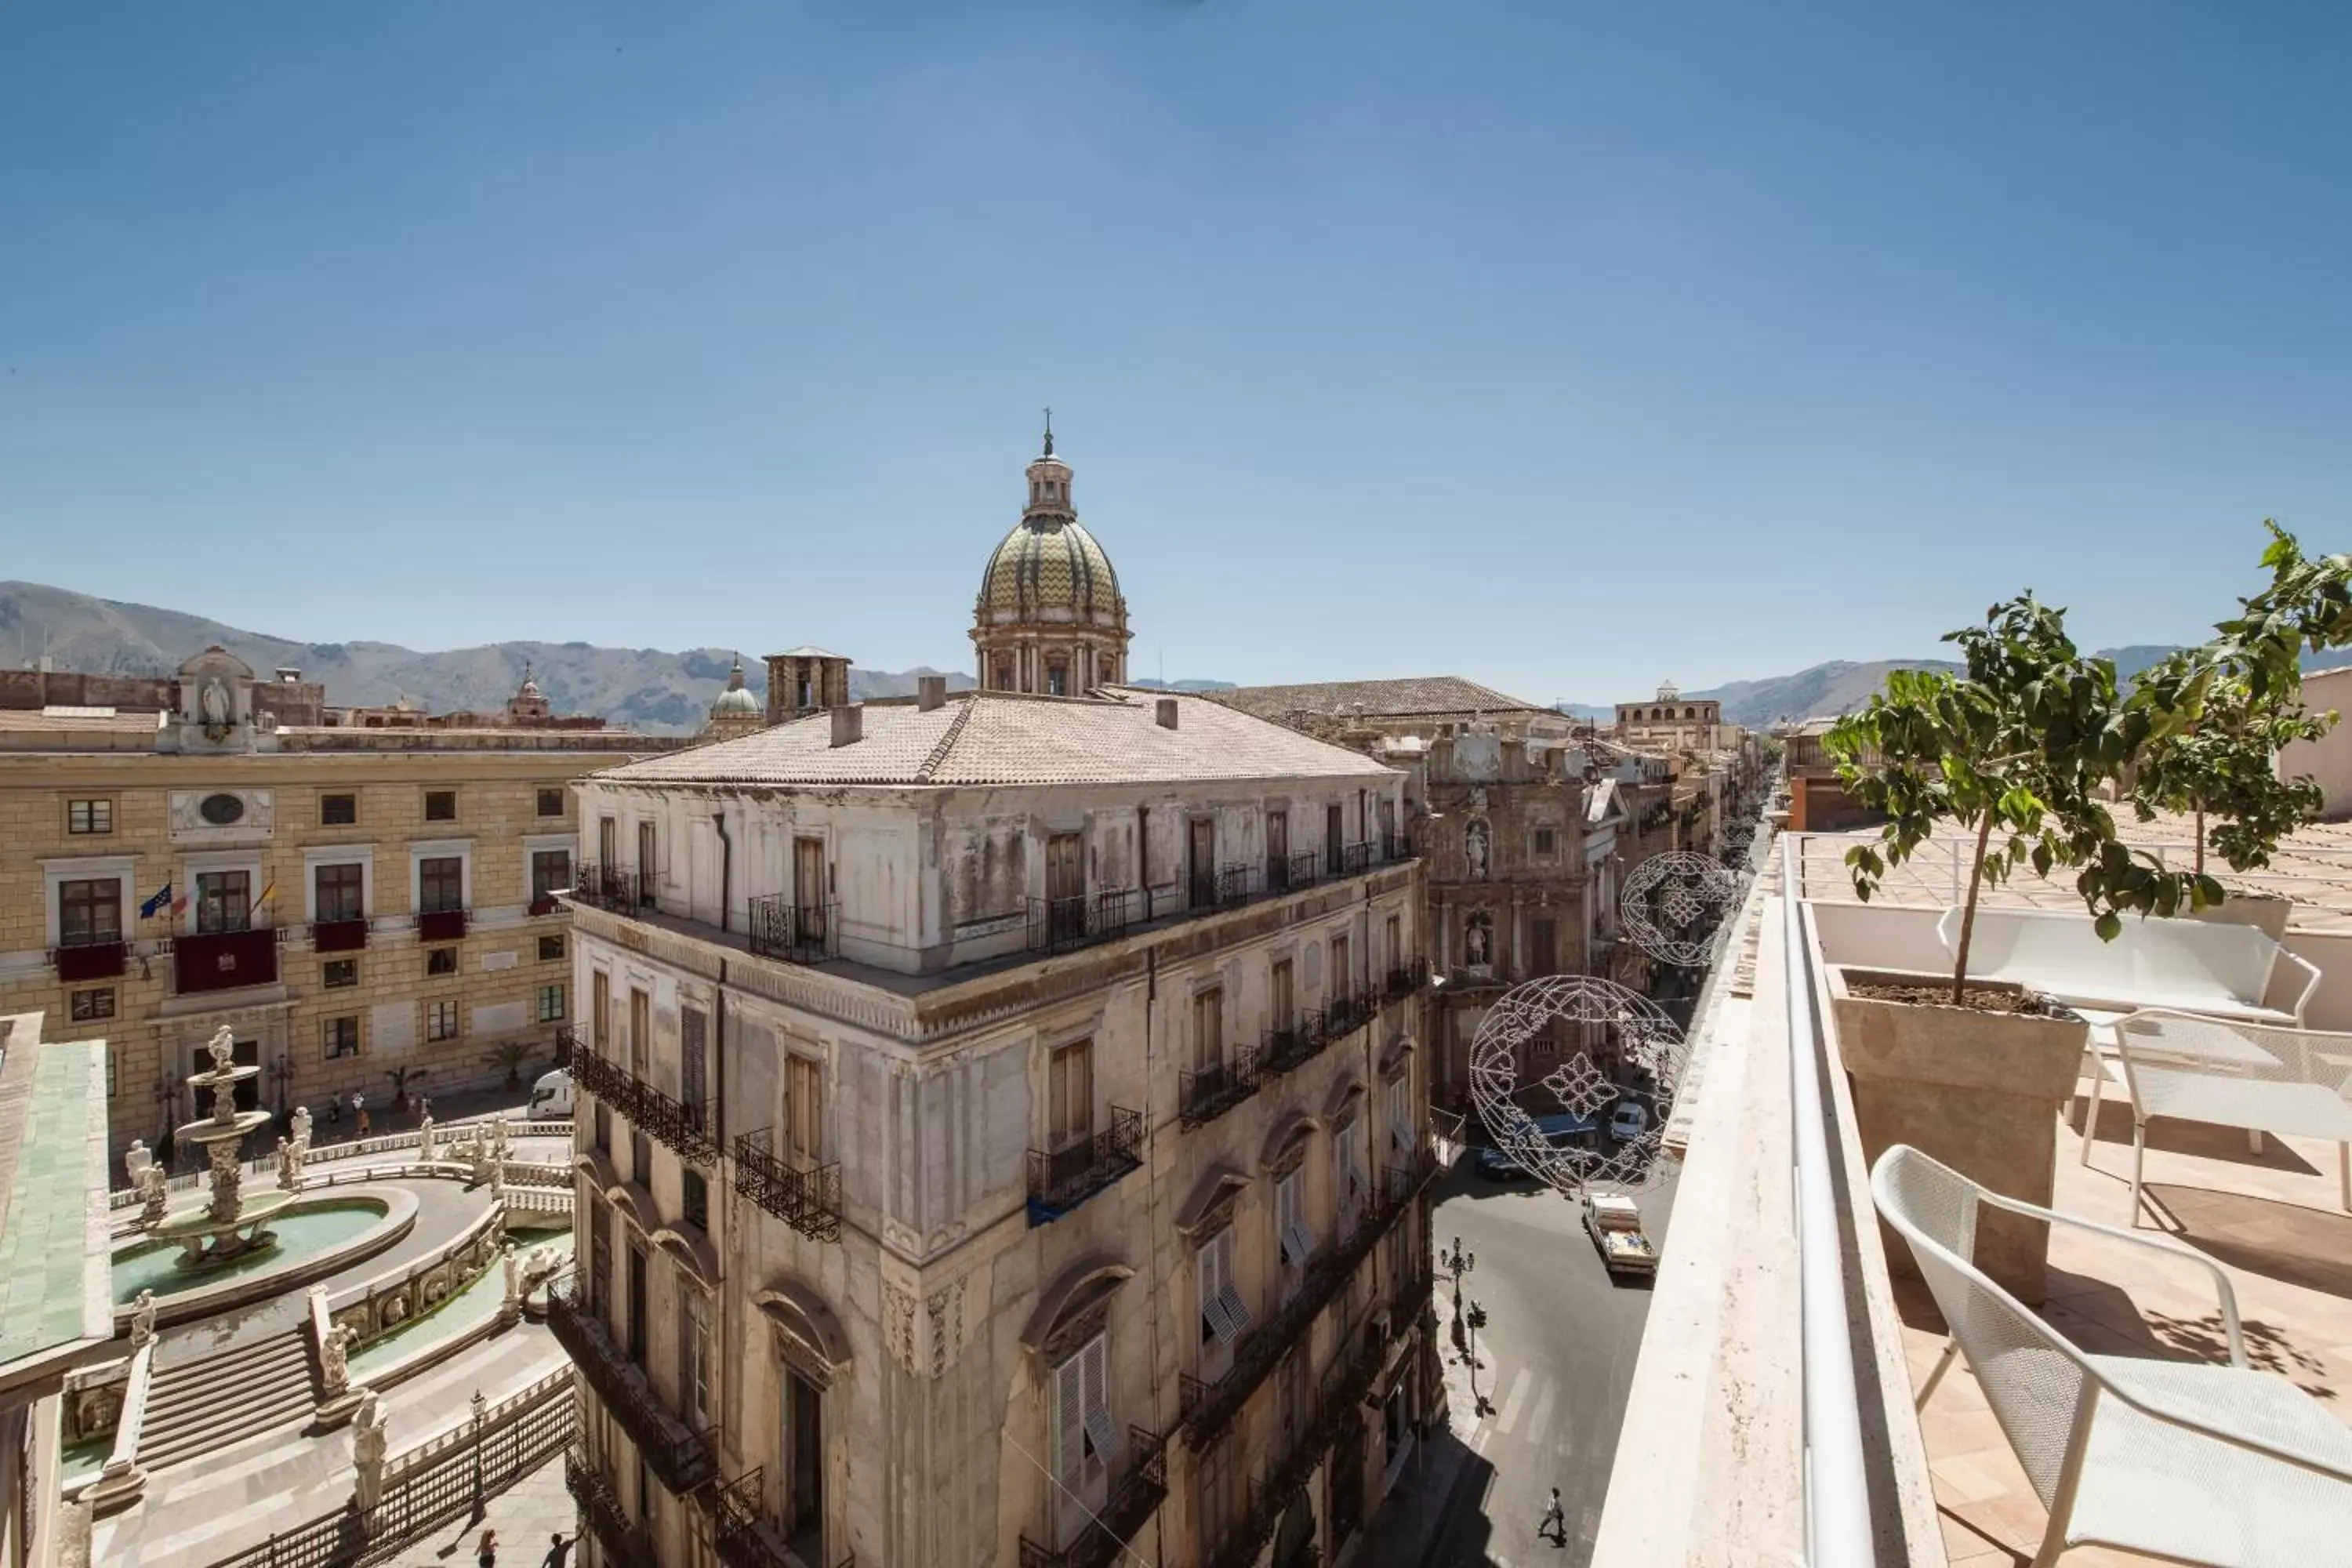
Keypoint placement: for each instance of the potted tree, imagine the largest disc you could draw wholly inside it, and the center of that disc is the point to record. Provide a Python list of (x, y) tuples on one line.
[(2011, 751)]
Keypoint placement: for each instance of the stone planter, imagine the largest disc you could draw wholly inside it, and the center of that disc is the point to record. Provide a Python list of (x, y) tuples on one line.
[(1979, 1091)]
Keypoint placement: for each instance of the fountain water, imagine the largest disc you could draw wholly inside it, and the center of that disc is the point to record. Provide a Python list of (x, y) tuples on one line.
[(230, 1224)]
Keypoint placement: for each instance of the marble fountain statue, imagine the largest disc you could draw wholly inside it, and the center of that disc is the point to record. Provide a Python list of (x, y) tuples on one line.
[(230, 1224)]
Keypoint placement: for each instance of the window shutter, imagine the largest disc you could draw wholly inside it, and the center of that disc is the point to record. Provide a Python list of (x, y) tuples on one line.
[(1100, 1432), (1069, 1421)]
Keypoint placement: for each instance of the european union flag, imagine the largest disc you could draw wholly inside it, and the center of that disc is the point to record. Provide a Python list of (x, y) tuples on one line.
[(148, 909)]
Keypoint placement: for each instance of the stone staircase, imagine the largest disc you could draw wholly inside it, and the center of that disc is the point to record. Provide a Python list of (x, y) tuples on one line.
[(206, 1404)]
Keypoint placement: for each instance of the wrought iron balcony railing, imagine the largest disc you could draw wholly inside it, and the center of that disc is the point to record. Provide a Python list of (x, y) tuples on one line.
[(796, 934), (1346, 1382), (809, 1200), (742, 1538), (1056, 924), (680, 1456), (1213, 1406), (1061, 1179), (615, 887), (1207, 1093), (1286, 1051), (1356, 858), (685, 1129), (620, 1542), (1237, 884), (1133, 1501), (1407, 978), (1306, 869), (1395, 845)]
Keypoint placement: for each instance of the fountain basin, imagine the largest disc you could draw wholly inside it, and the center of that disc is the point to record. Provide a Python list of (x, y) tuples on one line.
[(314, 1237)]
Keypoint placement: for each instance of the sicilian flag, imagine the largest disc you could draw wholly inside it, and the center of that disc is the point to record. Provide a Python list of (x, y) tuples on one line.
[(155, 906), (269, 891)]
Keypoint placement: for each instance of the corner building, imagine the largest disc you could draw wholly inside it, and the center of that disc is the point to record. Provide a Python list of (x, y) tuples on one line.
[(1005, 1141)]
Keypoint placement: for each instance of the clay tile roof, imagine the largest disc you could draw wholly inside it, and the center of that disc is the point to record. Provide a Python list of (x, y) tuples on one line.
[(998, 737), (1410, 697)]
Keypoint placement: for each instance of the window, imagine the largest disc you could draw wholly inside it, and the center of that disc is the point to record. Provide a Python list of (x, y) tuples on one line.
[(88, 1007), (1542, 943), (1220, 1503), (1084, 1440), (224, 902), (1347, 1170), (694, 1341), (694, 1061), (603, 1128), (340, 1037), (803, 1108), (1278, 1004), (698, 1200), (440, 884), (1297, 1242), (1400, 1113), (1395, 942), (1547, 842), (641, 1031), (441, 1020), (1343, 974), (440, 805), (599, 993), (550, 1004), (90, 816), (1070, 1080), (1057, 679), (1291, 1409), (1223, 1319), (550, 872), (1208, 1030), (90, 910), (338, 891), (551, 802), (551, 948), (441, 961), (338, 810), (338, 972)]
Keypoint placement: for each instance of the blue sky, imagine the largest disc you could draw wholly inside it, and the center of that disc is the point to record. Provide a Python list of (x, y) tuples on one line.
[(1567, 346)]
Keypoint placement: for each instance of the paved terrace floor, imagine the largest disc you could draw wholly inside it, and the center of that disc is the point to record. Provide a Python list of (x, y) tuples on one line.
[(2314, 868), (2269, 1219)]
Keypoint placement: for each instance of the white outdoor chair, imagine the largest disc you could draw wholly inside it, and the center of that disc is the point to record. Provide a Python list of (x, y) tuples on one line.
[(2182, 1461), (2234, 1074)]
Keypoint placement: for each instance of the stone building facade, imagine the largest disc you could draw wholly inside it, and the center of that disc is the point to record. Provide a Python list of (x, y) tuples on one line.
[(1004, 1137), (349, 901), (1670, 721)]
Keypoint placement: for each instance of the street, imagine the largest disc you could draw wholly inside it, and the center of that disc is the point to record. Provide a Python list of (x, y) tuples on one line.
[(1558, 1352)]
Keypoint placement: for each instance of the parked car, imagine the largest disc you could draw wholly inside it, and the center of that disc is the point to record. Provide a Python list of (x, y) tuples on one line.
[(1631, 1120), (1615, 1227), (1497, 1162), (552, 1095)]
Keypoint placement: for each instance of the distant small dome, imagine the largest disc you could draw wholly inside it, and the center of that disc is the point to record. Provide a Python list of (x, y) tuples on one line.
[(736, 700)]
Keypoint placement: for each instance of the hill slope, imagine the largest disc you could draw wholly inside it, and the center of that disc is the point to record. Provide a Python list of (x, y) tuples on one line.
[(645, 688)]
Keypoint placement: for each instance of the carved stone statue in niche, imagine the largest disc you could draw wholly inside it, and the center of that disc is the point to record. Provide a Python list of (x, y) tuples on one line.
[(1478, 942), (213, 704), (1475, 845)]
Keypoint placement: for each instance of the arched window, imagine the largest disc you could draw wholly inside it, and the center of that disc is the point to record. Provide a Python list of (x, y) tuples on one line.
[(1001, 676), (1057, 679)]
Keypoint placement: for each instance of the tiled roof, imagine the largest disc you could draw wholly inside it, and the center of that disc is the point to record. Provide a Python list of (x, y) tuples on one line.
[(999, 738), (1410, 697)]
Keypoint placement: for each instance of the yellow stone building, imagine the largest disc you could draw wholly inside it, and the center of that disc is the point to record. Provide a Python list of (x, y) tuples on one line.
[(367, 906)]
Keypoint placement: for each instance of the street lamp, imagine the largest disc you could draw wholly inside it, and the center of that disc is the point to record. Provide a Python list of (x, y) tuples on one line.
[(282, 1073), (481, 1409), (1457, 1263)]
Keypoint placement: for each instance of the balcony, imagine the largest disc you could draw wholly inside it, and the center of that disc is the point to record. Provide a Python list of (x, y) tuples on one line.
[(1346, 1012), (1288, 1050), (223, 961), (1346, 1382), (808, 1201), (1056, 925), (618, 1542), (1209, 1408), (742, 1538), (684, 1130), (90, 958), (1204, 1095), (441, 925), (1290, 874), (1356, 858), (680, 1458), (1061, 1179), (796, 934), (613, 888), (1237, 884), (339, 936), (1133, 1501), (1407, 978)]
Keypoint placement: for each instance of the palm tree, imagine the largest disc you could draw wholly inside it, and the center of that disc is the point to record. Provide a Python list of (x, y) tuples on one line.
[(401, 1079), (510, 1055)]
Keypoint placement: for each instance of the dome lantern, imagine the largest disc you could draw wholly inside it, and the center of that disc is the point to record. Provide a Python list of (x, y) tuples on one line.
[(1050, 617)]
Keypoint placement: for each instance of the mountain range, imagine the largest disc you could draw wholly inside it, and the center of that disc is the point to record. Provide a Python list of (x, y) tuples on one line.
[(657, 692)]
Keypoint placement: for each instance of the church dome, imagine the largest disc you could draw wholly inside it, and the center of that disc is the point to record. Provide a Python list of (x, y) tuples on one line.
[(1049, 568), (735, 700)]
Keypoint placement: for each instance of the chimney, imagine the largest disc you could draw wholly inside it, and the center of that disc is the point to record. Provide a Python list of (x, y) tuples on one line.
[(288, 676), (1167, 707), (930, 690), (848, 724)]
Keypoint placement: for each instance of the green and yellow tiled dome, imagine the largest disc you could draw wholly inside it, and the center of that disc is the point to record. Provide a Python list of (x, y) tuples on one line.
[(1049, 568)]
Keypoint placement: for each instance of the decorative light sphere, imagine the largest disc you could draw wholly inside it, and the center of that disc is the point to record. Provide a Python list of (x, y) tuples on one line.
[(1641, 1042), (1672, 903)]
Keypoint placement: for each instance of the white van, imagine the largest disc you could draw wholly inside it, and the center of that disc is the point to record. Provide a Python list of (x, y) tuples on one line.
[(552, 1095)]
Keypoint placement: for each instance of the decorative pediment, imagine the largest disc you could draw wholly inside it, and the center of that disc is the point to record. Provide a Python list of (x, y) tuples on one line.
[(1286, 1146), (1396, 1058), (692, 1248), (1210, 1207), (1076, 1309), (808, 1336), (1346, 1099)]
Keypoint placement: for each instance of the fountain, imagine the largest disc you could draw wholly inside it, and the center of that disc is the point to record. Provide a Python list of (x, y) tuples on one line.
[(229, 1226)]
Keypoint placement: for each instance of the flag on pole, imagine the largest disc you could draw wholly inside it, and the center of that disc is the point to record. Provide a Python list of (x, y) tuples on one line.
[(154, 906), (269, 891), (179, 906)]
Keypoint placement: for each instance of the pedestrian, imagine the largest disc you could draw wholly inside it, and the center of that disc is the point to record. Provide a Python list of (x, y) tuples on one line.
[(559, 1553), (335, 1113), (359, 1112), (489, 1555), (1554, 1520)]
